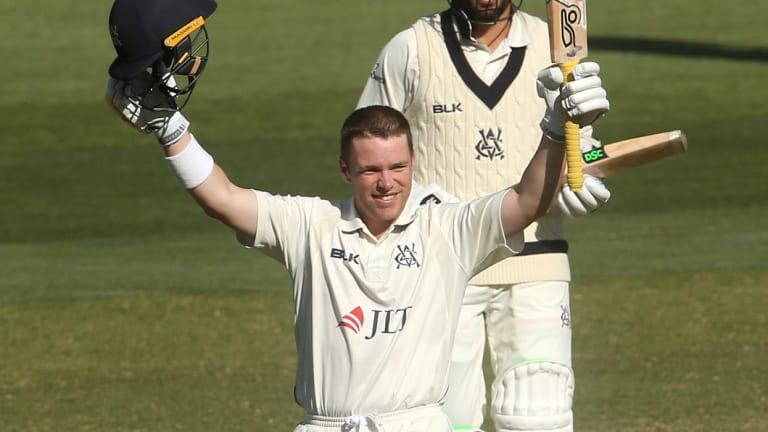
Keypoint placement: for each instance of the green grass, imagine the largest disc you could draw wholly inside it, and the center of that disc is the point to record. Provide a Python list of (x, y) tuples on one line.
[(123, 308)]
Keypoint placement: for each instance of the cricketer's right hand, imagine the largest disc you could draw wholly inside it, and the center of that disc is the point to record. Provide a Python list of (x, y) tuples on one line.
[(131, 99), (583, 100)]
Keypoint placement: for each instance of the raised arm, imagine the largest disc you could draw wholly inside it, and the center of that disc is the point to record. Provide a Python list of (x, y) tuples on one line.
[(584, 100), (195, 168), (530, 199), (221, 199)]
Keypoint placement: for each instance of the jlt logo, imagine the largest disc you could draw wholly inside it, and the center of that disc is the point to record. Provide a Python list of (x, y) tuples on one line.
[(389, 321), (489, 145), (406, 256), (342, 255)]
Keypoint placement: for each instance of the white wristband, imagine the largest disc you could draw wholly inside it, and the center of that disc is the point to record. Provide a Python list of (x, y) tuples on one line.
[(193, 165), (172, 129)]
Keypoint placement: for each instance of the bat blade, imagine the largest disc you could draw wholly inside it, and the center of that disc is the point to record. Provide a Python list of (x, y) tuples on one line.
[(634, 152), (567, 21)]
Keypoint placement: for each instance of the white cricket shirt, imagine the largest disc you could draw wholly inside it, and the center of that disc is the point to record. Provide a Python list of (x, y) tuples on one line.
[(375, 319)]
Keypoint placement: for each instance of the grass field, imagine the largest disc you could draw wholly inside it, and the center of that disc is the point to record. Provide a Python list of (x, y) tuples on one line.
[(123, 308)]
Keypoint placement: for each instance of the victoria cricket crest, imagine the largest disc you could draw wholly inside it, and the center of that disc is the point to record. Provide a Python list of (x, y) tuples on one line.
[(407, 256), (489, 145), (565, 317)]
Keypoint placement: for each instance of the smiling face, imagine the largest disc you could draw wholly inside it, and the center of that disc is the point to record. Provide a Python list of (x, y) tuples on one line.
[(380, 170)]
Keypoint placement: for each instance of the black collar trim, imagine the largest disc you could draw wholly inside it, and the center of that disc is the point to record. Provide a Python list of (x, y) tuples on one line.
[(490, 95)]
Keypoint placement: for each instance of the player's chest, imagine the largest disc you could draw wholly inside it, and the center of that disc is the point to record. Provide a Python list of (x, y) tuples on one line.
[(393, 261)]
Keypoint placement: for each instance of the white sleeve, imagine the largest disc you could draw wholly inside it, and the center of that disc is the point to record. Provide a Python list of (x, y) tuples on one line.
[(476, 232), (395, 76)]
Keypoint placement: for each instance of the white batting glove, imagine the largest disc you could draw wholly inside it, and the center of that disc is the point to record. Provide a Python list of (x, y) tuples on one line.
[(584, 99), (594, 193), (131, 99)]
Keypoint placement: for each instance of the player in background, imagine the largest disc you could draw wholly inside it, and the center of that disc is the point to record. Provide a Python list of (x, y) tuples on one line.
[(465, 78)]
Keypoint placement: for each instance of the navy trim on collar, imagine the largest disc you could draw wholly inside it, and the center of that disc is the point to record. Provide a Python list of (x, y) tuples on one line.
[(490, 95)]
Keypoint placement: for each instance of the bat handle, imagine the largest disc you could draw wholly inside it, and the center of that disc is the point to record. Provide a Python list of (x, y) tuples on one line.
[(572, 139)]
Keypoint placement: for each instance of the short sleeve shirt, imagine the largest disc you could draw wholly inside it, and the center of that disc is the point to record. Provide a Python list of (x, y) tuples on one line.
[(375, 318)]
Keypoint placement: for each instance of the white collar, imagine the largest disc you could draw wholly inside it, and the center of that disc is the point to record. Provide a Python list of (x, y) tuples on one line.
[(352, 222)]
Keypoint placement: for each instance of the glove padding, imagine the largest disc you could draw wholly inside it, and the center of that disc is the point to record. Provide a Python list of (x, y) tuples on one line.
[(591, 197), (594, 193), (141, 104), (583, 100)]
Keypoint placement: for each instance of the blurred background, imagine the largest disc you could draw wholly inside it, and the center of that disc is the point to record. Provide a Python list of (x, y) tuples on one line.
[(124, 308)]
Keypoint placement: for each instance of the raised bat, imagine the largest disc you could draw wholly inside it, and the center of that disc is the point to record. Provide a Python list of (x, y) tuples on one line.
[(622, 155), (567, 20)]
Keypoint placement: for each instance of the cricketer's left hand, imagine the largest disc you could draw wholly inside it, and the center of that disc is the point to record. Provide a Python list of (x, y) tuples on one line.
[(593, 195)]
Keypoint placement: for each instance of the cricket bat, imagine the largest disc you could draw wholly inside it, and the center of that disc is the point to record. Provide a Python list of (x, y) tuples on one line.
[(622, 155), (567, 20)]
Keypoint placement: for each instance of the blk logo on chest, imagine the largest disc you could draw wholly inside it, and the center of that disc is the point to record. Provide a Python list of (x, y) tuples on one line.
[(345, 256), (447, 109)]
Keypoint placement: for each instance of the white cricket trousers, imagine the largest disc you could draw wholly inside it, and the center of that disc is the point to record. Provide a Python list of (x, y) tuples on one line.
[(429, 418), (523, 323)]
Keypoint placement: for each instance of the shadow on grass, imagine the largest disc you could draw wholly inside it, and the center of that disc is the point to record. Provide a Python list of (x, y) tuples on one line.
[(679, 48)]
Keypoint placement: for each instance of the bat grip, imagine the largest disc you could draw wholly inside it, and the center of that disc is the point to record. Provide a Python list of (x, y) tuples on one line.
[(572, 134)]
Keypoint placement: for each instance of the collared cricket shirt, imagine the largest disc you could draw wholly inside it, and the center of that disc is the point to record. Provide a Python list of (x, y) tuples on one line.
[(375, 319)]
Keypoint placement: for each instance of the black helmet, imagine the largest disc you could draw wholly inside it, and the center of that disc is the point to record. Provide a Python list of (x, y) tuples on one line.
[(168, 36)]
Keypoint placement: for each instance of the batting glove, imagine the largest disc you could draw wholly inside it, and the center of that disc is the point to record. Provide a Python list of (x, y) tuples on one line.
[(584, 99), (594, 193), (141, 104)]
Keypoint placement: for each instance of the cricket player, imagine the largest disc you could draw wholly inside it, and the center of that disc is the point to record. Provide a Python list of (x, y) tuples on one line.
[(377, 289), (464, 79)]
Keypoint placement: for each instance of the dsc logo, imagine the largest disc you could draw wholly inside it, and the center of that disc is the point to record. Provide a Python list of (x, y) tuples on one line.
[(594, 155)]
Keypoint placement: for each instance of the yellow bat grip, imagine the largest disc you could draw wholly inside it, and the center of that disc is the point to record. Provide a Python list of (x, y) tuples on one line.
[(572, 139)]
